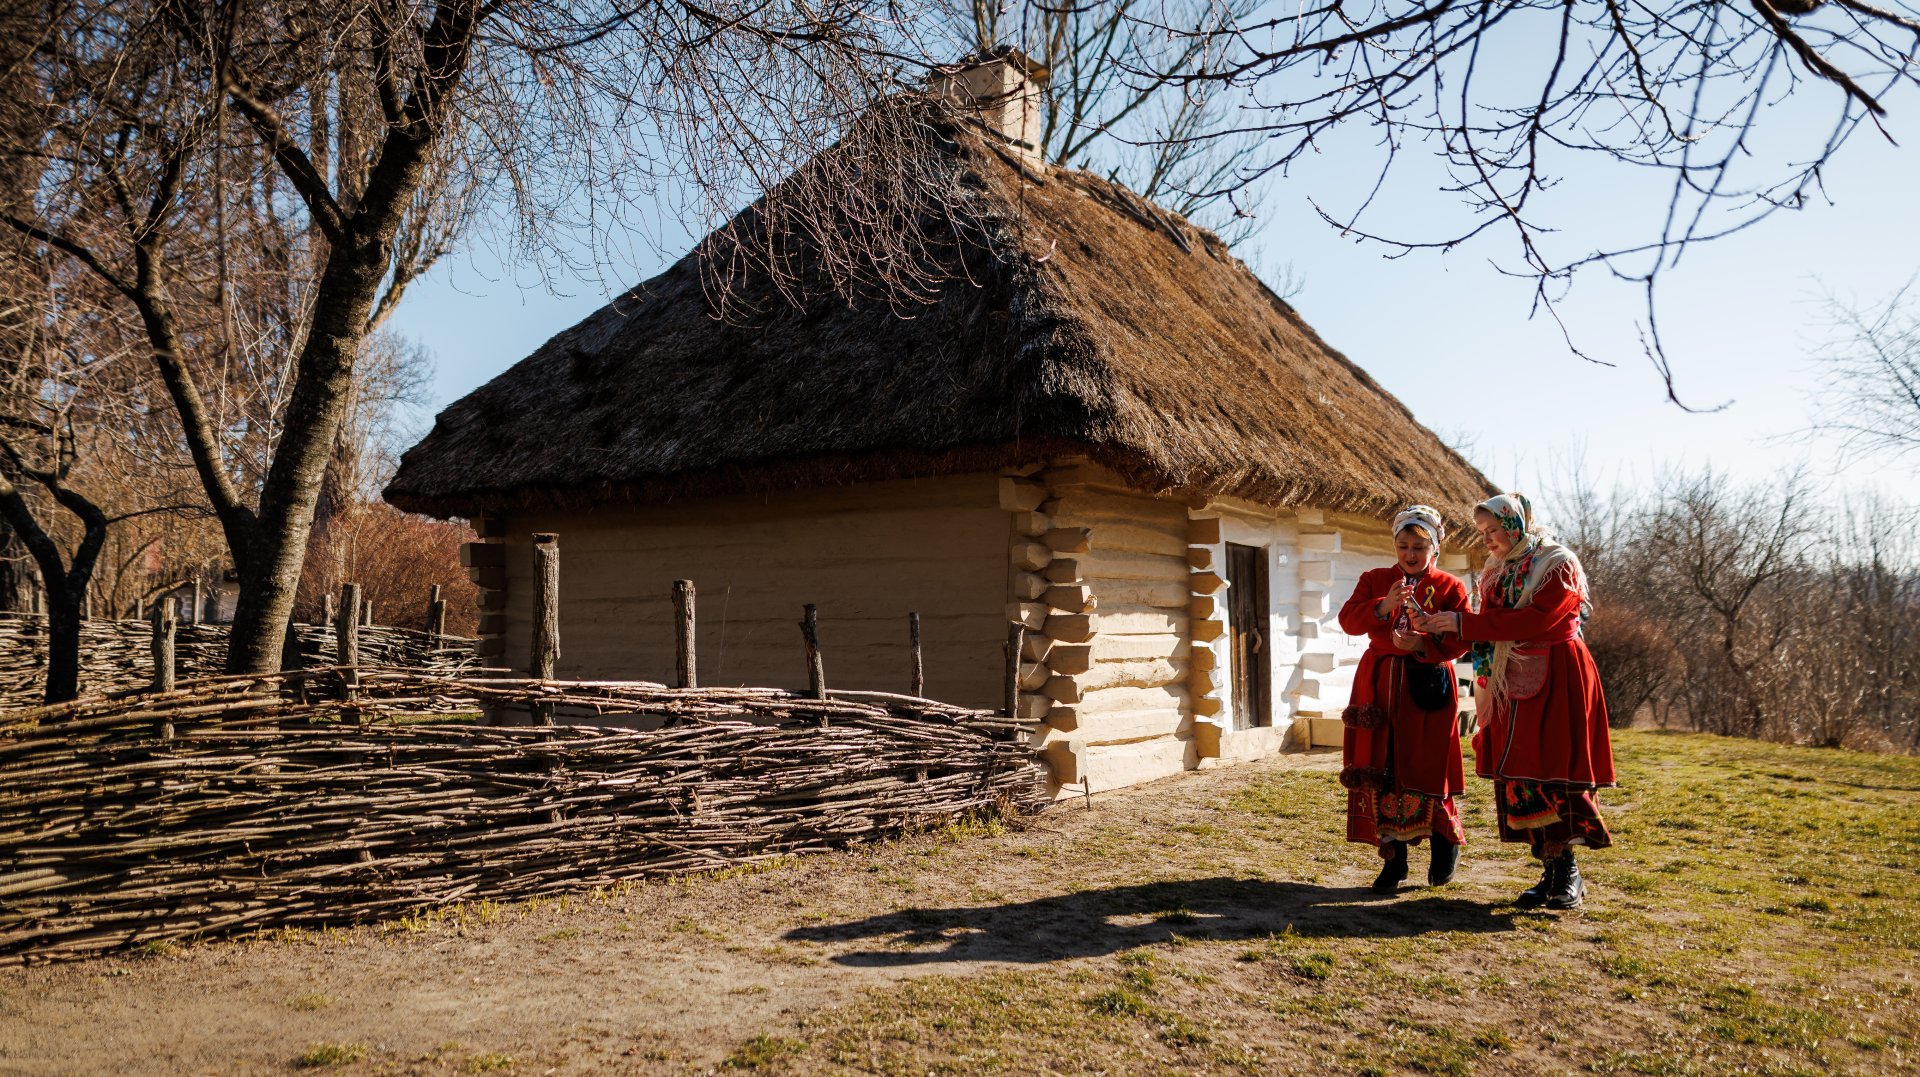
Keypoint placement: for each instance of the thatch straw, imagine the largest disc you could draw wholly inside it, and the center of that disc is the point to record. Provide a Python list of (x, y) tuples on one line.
[(1075, 317)]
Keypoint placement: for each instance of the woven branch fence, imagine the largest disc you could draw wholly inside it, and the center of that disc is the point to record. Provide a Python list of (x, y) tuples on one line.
[(117, 656), (230, 805)]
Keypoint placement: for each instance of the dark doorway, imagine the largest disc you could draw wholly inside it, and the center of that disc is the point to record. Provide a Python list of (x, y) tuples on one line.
[(1247, 624)]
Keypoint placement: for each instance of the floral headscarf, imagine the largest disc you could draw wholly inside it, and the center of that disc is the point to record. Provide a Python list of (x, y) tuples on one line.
[(1424, 517), (1509, 582)]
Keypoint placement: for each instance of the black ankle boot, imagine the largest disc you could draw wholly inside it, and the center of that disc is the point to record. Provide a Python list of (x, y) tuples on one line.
[(1394, 872), (1569, 890), (1446, 858), (1536, 895)]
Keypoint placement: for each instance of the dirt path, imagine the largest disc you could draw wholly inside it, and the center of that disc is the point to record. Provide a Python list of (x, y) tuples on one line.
[(675, 972)]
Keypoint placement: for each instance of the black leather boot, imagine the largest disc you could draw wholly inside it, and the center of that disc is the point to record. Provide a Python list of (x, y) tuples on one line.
[(1446, 858), (1394, 872), (1569, 889), (1536, 895)]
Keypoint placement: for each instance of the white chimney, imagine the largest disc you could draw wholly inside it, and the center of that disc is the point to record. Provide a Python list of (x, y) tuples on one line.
[(1006, 90)]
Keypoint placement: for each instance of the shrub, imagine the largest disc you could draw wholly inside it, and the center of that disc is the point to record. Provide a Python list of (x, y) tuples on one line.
[(1634, 656)]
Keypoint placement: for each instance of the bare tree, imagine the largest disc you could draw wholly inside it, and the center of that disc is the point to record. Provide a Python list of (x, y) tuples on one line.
[(169, 133), (1510, 94), (1110, 107), (43, 399), (1874, 570), (1870, 377), (1754, 611), (1716, 556)]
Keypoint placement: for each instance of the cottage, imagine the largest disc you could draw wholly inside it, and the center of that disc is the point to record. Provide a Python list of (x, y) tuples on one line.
[(1107, 430)]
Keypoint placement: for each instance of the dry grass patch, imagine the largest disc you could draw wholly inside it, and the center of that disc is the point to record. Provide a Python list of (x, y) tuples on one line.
[(1741, 869)]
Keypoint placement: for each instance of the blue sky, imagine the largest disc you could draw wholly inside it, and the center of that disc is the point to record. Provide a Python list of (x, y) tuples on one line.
[(1452, 337)]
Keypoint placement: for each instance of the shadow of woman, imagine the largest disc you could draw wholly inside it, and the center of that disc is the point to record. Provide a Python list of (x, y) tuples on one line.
[(1089, 923)]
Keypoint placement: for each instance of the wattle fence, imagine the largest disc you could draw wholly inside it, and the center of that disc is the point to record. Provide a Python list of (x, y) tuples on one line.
[(236, 804), (117, 656)]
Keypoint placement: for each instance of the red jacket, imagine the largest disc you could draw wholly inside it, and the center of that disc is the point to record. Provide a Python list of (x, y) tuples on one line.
[(1559, 733), (1425, 744)]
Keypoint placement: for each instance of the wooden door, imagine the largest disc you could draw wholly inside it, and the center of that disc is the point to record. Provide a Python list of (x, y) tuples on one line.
[(1247, 625)]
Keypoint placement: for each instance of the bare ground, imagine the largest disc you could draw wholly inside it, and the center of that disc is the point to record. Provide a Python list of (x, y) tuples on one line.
[(1207, 923)]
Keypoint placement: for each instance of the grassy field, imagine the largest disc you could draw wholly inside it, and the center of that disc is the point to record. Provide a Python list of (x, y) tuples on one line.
[(1760, 913)]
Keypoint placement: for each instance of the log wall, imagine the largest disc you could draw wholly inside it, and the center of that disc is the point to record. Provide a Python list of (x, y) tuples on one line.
[(866, 555), (1132, 713), (1131, 673)]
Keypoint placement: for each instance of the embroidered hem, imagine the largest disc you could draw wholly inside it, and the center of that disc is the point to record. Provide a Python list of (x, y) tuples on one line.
[(1410, 817), (1550, 818)]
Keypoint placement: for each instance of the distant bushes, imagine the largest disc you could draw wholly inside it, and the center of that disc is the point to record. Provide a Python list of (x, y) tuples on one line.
[(1754, 611), (1635, 658), (394, 556)]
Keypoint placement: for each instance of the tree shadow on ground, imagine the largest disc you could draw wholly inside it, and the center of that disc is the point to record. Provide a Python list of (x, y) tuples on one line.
[(1090, 923)]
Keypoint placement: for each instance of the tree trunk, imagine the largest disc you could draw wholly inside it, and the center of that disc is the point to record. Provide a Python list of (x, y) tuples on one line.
[(63, 644), (358, 259), (270, 571)]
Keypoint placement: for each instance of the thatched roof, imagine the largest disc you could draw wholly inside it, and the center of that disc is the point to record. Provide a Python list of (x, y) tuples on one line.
[(1102, 325)]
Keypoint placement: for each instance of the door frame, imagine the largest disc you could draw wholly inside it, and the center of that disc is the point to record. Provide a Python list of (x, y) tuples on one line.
[(1249, 635)]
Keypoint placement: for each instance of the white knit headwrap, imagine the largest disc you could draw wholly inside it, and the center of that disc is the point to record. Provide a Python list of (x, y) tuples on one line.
[(1424, 517)]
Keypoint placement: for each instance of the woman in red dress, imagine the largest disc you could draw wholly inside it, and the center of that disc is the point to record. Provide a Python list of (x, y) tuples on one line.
[(1401, 752), (1543, 737)]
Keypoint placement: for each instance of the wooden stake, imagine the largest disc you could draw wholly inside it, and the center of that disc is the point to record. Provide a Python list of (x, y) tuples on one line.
[(433, 600), (347, 634), (193, 615), (328, 614), (816, 669), (163, 628), (1016, 632), (684, 665), (918, 681), (546, 614)]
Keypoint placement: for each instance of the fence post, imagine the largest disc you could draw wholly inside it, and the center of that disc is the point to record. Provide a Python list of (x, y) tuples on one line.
[(917, 682), (193, 616), (1015, 636), (163, 672), (436, 614), (683, 625), (546, 614), (347, 634), (816, 669)]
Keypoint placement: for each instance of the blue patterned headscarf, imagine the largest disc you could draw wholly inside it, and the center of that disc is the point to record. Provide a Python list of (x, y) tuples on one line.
[(1508, 582)]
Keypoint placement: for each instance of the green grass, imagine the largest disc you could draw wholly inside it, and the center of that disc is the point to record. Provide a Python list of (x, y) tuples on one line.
[(763, 1052), (330, 1054), (1756, 914)]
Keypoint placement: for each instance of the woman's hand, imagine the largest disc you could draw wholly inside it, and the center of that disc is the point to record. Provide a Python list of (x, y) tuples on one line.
[(1438, 623), (1396, 597), (1411, 642)]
